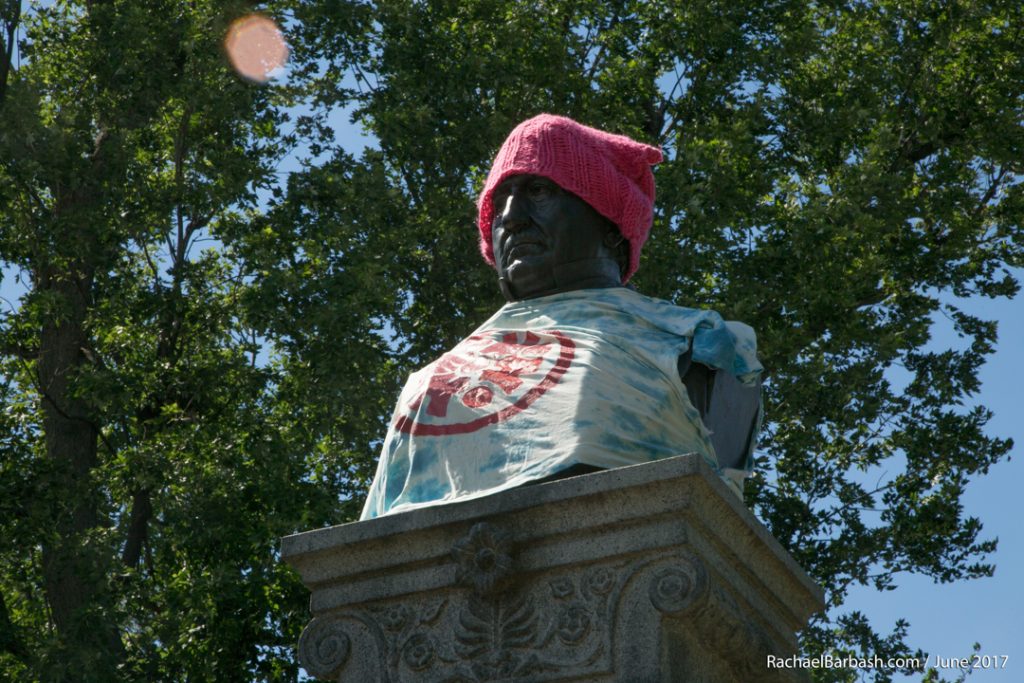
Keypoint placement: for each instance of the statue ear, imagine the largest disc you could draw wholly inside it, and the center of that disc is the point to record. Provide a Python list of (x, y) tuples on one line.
[(622, 256), (618, 245), (612, 237)]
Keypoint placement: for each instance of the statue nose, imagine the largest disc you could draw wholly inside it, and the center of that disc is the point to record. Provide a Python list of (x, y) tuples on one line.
[(515, 216)]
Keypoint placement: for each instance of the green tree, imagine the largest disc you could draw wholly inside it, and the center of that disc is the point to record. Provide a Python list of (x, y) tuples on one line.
[(146, 466), (834, 172)]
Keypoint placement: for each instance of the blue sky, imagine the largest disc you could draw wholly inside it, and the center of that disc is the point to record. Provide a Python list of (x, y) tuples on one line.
[(948, 619)]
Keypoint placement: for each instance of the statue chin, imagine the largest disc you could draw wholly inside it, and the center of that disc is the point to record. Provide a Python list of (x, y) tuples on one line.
[(526, 278)]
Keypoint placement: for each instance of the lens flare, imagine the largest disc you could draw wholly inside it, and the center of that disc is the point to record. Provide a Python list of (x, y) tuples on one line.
[(256, 48)]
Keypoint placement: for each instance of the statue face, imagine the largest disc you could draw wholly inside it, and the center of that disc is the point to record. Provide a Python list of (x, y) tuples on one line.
[(548, 240)]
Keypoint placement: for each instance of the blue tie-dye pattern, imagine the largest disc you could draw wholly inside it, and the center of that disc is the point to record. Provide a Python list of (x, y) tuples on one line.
[(429, 491), (621, 401), (496, 461)]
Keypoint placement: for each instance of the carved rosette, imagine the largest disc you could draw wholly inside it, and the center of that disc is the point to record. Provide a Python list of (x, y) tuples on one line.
[(674, 588), (418, 652), (324, 647), (484, 558), (600, 581)]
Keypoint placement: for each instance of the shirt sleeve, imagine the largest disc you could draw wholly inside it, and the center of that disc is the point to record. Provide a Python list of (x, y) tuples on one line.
[(730, 346)]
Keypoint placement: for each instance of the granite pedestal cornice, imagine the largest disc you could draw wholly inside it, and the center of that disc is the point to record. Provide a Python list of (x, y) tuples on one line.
[(647, 573)]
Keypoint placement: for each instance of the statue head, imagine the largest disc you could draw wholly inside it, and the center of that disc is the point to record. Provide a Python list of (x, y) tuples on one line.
[(565, 207), (545, 240)]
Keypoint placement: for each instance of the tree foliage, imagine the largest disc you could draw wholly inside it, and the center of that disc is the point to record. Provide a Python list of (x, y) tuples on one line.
[(146, 463), (836, 173)]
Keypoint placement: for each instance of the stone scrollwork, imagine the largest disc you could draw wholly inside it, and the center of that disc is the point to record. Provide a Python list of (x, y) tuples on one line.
[(588, 589), (675, 587), (549, 627), (324, 647)]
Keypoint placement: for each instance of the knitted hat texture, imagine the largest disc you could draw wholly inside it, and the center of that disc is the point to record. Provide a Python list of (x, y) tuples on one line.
[(611, 173)]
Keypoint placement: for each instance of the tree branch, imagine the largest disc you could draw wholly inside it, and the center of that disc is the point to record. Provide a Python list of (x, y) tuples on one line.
[(142, 510), (990, 193), (18, 351), (11, 19)]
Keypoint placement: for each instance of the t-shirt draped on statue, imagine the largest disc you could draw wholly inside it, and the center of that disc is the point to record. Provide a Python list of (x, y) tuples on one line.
[(582, 377)]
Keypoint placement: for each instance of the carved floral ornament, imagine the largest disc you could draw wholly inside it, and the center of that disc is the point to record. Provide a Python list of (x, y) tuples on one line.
[(675, 588), (554, 627), (484, 557)]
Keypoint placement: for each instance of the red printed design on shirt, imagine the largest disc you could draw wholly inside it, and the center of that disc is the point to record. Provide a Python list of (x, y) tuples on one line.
[(482, 368)]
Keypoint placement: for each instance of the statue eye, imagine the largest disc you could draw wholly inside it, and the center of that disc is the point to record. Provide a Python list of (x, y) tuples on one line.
[(540, 189), (499, 199)]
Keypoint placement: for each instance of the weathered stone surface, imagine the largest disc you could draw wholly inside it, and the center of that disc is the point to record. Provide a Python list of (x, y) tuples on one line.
[(647, 573)]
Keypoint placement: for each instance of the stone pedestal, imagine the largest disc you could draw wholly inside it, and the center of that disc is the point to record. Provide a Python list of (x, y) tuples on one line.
[(647, 573)]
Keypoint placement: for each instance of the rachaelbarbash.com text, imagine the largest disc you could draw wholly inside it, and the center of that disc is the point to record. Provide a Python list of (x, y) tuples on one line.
[(827, 661)]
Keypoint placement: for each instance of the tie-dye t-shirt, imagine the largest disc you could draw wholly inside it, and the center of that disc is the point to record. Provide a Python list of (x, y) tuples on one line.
[(583, 377)]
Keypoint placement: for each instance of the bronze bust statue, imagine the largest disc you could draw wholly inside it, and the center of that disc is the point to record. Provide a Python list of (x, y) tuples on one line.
[(577, 372)]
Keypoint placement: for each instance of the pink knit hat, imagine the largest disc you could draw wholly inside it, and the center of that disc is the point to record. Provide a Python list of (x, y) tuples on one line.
[(610, 172)]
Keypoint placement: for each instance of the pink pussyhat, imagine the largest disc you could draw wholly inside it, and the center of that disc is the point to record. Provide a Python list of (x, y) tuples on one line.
[(610, 172)]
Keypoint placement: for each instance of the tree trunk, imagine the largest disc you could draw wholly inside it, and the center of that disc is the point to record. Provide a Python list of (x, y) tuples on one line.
[(75, 560)]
